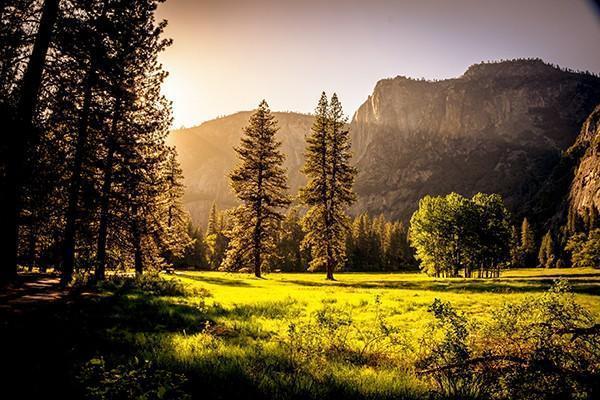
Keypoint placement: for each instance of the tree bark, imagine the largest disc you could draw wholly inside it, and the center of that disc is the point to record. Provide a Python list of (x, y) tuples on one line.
[(105, 197), (137, 244), (68, 250), (25, 136), (258, 227)]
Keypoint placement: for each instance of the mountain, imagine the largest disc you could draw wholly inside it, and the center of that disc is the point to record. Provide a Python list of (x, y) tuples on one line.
[(502, 127), (206, 155), (584, 193)]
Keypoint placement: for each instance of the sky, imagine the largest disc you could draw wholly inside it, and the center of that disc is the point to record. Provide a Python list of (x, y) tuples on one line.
[(228, 55)]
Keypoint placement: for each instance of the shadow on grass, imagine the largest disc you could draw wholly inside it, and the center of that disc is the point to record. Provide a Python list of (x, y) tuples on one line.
[(515, 285), (51, 343)]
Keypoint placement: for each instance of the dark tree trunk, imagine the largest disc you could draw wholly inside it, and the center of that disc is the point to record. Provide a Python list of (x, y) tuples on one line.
[(104, 214), (330, 263), (258, 228), (137, 245), (68, 250), (24, 136), (31, 258), (105, 197)]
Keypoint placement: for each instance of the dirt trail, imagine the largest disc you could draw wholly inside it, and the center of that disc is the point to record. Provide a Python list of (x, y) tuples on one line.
[(31, 291)]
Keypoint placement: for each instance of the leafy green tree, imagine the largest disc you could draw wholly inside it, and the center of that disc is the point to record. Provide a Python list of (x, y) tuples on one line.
[(492, 240), (452, 234), (585, 249), (260, 183), (329, 189)]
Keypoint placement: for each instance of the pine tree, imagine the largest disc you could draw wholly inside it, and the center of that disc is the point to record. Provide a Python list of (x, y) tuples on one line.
[(260, 183), (329, 189), (527, 243), (546, 255), (290, 254), (516, 258), (196, 255), (145, 188), (216, 238), (22, 118), (213, 219)]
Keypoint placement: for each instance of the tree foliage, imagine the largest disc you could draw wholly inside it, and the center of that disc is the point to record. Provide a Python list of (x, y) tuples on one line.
[(329, 189), (90, 183), (452, 234), (260, 183)]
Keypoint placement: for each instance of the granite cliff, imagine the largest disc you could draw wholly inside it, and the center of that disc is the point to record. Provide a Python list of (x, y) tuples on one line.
[(501, 127)]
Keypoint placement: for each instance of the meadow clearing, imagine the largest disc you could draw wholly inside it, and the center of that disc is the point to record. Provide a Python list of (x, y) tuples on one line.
[(226, 335)]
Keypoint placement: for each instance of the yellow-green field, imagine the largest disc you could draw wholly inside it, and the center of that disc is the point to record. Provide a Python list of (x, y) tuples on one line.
[(404, 296), (287, 336)]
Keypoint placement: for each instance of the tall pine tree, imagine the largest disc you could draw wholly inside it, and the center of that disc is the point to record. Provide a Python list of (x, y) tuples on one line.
[(260, 183), (329, 189)]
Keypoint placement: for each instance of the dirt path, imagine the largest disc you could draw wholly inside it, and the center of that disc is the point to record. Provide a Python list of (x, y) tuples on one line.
[(31, 291)]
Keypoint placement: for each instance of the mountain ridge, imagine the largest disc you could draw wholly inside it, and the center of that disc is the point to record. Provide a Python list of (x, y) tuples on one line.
[(500, 127)]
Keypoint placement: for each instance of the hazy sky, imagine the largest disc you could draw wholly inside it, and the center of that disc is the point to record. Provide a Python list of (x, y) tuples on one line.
[(229, 54)]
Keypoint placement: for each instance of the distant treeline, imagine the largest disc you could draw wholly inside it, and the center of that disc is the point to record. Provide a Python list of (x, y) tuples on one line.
[(372, 244)]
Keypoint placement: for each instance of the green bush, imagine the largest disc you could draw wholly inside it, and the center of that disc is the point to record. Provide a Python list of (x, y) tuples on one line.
[(545, 347), (150, 284), (136, 380)]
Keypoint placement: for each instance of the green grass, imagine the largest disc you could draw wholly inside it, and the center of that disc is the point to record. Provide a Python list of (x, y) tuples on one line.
[(405, 296), (235, 341)]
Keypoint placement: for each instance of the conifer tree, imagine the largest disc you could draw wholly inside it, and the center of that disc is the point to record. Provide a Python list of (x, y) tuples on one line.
[(290, 254), (546, 255), (328, 192), (260, 183), (527, 243), (22, 118), (216, 237), (516, 258), (213, 220)]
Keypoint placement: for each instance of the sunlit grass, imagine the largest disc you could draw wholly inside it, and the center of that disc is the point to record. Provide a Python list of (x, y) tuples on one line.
[(230, 333)]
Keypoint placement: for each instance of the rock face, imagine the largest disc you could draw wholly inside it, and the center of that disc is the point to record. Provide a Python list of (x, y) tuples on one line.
[(206, 155), (584, 194), (499, 128)]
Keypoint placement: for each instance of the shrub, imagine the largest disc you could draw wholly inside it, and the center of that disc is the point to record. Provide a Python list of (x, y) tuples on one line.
[(332, 335), (151, 284), (444, 354), (545, 347), (136, 380)]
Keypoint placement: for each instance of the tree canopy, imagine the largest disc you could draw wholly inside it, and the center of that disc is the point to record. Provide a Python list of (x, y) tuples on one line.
[(453, 234)]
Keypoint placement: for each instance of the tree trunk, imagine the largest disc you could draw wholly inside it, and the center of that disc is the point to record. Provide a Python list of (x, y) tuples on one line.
[(137, 245), (32, 245), (330, 263), (258, 226), (104, 214), (24, 136), (105, 197), (68, 251)]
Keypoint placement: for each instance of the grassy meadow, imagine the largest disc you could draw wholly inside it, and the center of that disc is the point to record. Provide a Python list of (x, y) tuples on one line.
[(233, 335)]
